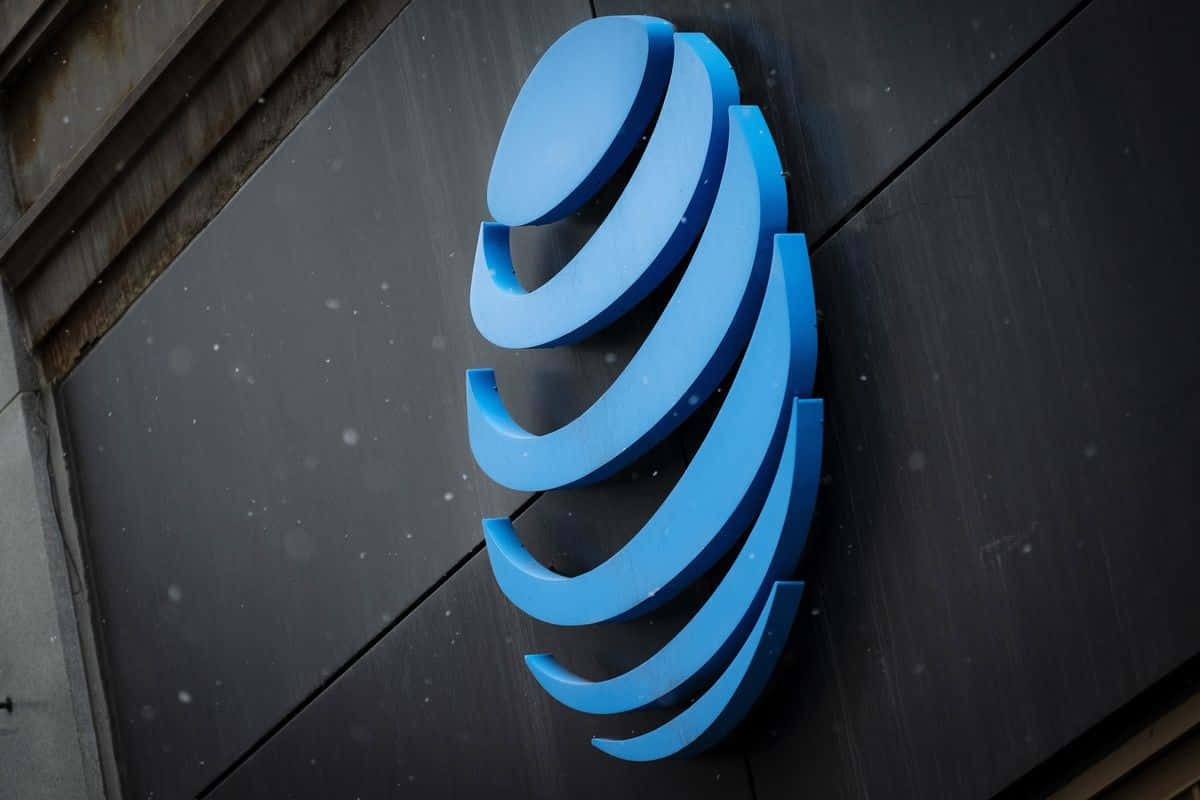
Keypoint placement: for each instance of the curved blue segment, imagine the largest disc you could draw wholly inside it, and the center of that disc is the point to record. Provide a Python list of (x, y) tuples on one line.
[(718, 494), (692, 346), (718, 710), (582, 110), (658, 216), (708, 640)]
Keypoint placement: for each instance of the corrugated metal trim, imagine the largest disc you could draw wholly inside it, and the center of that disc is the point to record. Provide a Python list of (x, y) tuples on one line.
[(1148, 762), (66, 325)]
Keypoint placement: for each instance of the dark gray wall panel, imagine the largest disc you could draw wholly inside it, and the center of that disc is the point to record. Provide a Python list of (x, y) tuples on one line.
[(443, 707), (1006, 551), (852, 88), (1003, 550), (270, 446)]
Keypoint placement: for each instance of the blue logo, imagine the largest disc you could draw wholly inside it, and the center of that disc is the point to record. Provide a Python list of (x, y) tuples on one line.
[(709, 170)]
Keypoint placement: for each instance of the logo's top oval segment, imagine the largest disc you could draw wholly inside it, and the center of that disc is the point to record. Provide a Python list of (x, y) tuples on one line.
[(651, 226), (578, 116)]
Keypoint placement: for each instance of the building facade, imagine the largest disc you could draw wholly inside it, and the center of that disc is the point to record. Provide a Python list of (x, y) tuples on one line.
[(240, 540)]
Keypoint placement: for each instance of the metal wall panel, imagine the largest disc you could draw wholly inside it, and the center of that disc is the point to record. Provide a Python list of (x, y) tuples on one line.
[(1002, 550), (270, 445), (444, 707), (852, 89), (1007, 548)]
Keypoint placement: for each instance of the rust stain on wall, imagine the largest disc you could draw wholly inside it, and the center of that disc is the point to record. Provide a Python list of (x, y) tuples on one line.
[(83, 75)]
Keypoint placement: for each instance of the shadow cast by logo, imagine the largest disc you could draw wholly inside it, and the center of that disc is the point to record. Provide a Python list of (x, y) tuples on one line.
[(710, 169)]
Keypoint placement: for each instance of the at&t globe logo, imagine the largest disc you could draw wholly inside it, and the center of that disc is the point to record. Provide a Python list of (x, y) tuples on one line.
[(709, 170)]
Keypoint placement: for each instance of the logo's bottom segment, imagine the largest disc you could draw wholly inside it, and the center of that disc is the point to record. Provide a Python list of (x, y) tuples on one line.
[(717, 711)]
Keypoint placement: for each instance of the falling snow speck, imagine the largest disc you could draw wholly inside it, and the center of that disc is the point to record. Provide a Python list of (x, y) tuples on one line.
[(185, 696), (349, 437), (448, 496)]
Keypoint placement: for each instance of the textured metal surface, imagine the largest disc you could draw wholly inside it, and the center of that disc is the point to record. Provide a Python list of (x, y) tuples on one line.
[(84, 74), (283, 409), (25, 26), (1007, 548), (443, 707), (16, 15), (852, 88)]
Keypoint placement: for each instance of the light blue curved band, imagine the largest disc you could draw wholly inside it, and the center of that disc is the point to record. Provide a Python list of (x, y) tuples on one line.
[(718, 494), (653, 223), (708, 640), (692, 346), (725, 703)]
